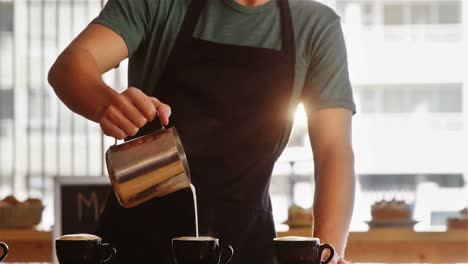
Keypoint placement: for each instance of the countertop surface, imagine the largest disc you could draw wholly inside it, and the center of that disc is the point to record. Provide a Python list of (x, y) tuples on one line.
[(383, 245), (377, 234)]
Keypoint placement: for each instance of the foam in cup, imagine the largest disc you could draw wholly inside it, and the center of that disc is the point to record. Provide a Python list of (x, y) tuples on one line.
[(79, 237), (200, 238), (296, 238)]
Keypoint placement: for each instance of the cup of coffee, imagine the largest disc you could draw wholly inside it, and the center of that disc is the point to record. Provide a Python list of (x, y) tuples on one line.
[(5, 251), (200, 250), (83, 249), (301, 250)]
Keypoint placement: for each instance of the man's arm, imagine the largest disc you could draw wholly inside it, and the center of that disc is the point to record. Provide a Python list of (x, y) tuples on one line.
[(330, 136), (76, 77), (76, 74)]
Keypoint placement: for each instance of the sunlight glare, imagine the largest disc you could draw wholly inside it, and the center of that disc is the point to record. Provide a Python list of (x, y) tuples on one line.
[(300, 116)]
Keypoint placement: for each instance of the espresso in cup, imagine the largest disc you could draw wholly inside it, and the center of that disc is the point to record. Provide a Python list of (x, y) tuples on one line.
[(83, 249), (200, 250), (301, 250)]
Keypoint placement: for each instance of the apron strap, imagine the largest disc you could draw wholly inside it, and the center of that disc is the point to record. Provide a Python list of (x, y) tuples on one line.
[(191, 18), (287, 30)]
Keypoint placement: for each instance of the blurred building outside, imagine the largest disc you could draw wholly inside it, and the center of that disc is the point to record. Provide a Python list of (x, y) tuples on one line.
[(408, 62), (408, 68)]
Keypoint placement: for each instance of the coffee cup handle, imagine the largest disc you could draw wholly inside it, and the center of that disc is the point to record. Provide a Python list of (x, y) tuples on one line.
[(332, 252), (5, 251), (109, 251), (223, 259)]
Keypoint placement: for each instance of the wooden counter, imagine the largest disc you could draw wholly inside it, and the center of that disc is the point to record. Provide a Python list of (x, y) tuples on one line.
[(27, 245), (379, 245), (395, 245)]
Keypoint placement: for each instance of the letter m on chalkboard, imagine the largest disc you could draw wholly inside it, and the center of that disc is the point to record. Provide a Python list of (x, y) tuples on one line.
[(81, 206), (88, 201)]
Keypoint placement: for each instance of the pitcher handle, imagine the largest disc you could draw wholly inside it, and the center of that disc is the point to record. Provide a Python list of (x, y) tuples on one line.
[(162, 127), (160, 122)]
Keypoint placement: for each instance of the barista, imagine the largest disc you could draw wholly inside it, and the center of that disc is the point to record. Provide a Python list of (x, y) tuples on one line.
[(227, 74)]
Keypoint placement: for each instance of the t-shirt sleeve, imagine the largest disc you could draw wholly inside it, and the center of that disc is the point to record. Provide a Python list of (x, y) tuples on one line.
[(131, 19), (327, 83)]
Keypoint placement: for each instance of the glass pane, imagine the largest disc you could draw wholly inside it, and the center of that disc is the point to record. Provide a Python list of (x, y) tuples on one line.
[(6, 16), (6, 104), (421, 100), (367, 100), (394, 101), (341, 9), (367, 10), (35, 104), (450, 99), (394, 14), (6, 59), (360, 12), (449, 12), (421, 14)]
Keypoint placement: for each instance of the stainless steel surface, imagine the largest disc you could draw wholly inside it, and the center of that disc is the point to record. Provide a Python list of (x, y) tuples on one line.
[(147, 167)]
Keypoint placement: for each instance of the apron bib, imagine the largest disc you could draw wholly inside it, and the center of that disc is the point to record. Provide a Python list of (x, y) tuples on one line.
[(230, 107)]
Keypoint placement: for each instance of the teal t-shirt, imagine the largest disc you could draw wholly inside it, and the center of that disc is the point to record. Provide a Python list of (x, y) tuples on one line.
[(150, 27)]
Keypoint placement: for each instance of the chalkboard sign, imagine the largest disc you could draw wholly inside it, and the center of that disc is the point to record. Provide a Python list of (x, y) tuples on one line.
[(79, 202)]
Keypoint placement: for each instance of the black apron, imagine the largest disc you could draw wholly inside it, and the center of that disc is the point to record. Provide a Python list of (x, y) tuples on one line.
[(230, 105)]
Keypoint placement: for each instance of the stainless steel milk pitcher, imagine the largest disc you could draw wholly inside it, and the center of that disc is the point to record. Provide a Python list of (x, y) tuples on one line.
[(147, 167)]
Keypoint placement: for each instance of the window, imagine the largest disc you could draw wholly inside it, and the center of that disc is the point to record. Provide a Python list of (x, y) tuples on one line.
[(449, 12), (373, 182), (367, 11), (6, 104), (439, 218), (394, 14), (6, 43), (5, 129), (6, 16), (425, 98), (450, 99), (369, 99), (421, 14), (361, 11), (422, 100), (394, 101), (42, 111)]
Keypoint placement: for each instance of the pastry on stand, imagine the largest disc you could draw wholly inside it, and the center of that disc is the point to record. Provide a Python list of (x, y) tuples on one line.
[(17, 214), (299, 217), (460, 222), (391, 213)]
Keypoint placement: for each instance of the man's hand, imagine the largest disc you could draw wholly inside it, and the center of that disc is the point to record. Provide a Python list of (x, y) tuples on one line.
[(130, 111), (343, 261), (337, 259)]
